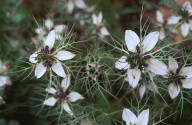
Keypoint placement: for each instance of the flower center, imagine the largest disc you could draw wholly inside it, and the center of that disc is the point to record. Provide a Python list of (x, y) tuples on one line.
[(46, 55), (93, 69), (137, 59), (175, 77), (185, 16), (63, 94)]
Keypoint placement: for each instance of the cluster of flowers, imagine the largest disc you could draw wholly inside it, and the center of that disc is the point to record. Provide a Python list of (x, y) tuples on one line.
[(138, 60)]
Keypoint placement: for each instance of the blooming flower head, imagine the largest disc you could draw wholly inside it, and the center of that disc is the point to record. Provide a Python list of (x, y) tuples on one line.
[(138, 59), (49, 25), (71, 4), (184, 18), (97, 21), (93, 70), (49, 58), (62, 95), (178, 78), (131, 119)]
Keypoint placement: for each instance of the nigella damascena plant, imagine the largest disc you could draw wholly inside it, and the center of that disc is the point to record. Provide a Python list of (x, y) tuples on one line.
[(178, 77), (101, 30), (138, 58), (93, 70), (62, 95), (48, 57), (184, 18), (131, 119)]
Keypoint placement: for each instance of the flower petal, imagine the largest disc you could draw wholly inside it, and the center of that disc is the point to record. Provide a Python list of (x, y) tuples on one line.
[(4, 80), (121, 63), (161, 35), (187, 83), (173, 65), (50, 101), (40, 70), (150, 41), (143, 117), (157, 67), (99, 18), (132, 40), (129, 117), (80, 4), (48, 24), (186, 71), (159, 16), (51, 90), (94, 18), (142, 90), (58, 69), (184, 29), (104, 31), (173, 90), (187, 5), (67, 108), (173, 20), (32, 58), (64, 55), (59, 28), (66, 82), (50, 40), (70, 6), (74, 96), (133, 76)]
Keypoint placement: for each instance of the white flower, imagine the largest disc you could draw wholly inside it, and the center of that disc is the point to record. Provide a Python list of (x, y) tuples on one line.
[(97, 21), (48, 57), (137, 59), (93, 70), (5, 80), (63, 95), (131, 119), (71, 4), (178, 78), (184, 18), (49, 25)]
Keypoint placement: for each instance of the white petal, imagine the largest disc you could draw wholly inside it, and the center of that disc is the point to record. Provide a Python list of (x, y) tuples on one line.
[(74, 96), (80, 4), (32, 58), (100, 18), (190, 25), (51, 90), (64, 55), (187, 83), (40, 70), (173, 65), (186, 71), (104, 31), (142, 90), (143, 117), (70, 6), (132, 40), (94, 18), (50, 40), (150, 41), (173, 90), (129, 117), (58, 69), (48, 24), (59, 28), (66, 82), (50, 101), (58, 36), (121, 63), (184, 29), (173, 20), (157, 67), (186, 5), (159, 16), (161, 35), (67, 108), (4, 80), (133, 76), (40, 31)]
